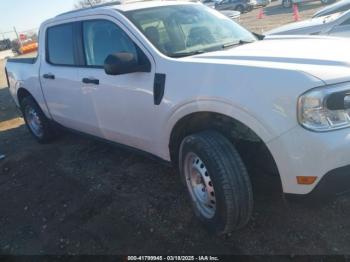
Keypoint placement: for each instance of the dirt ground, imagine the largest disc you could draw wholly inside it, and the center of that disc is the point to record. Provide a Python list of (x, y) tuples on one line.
[(79, 196)]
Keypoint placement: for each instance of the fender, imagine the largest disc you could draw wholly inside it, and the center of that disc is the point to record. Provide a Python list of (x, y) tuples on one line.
[(215, 106), (37, 97)]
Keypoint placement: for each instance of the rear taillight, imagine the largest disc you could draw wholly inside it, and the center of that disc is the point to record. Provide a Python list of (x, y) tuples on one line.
[(7, 78)]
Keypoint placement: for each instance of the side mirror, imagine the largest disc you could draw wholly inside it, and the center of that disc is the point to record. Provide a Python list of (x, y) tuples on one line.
[(124, 63)]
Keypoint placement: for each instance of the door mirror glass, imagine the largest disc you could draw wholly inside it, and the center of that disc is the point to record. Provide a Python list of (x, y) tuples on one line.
[(124, 63)]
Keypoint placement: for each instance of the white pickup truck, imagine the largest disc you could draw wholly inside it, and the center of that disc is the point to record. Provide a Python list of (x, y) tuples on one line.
[(184, 83)]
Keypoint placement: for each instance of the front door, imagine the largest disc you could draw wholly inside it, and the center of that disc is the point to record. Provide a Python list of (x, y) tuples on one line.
[(123, 107)]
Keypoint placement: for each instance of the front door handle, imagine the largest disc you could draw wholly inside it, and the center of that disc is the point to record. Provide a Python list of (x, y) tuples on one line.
[(49, 76), (91, 81)]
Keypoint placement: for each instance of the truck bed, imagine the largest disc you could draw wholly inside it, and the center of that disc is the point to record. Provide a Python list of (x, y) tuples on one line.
[(30, 60)]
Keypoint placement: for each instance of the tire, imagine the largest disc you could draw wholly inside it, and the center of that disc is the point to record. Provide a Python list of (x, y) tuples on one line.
[(287, 3), (36, 121), (224, 177), (240, 9)]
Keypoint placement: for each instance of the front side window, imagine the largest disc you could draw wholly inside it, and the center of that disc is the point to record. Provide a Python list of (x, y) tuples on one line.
[(103, 38), (60, 47), (180, 30)]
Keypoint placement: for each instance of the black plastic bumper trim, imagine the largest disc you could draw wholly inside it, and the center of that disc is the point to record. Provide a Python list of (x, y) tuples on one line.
[(334, 183)]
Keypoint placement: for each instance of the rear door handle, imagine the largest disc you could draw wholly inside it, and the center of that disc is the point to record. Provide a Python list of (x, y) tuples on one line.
[(49, 76), (91, 81)]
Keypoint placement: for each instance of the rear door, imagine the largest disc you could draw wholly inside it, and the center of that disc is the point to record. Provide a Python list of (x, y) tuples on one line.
[(59, 78)]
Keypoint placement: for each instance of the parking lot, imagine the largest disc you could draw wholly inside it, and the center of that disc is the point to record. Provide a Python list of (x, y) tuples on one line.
[(276, 16), (80, 196)]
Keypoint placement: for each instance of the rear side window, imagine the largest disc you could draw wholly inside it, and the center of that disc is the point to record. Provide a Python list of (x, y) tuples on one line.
[(60, 46)]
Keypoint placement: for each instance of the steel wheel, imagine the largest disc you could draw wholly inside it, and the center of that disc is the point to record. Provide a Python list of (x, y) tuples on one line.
[(200, 185), (217, 181), (34, 121), (38, 124)]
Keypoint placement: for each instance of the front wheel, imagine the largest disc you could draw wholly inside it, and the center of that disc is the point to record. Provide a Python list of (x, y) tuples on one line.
[(217, 181)]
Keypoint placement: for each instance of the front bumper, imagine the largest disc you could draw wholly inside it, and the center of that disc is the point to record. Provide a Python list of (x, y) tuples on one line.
[(300, 152), (335, 183)]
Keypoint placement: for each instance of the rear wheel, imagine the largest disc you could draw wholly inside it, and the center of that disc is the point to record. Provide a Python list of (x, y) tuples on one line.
[(36, 121), (240, 9), (217, 181)]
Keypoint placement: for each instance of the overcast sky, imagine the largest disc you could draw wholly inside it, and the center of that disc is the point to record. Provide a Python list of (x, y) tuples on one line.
[(28, 14)]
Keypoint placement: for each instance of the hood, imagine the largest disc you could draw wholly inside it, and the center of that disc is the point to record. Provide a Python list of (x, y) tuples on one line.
[(326, 58)]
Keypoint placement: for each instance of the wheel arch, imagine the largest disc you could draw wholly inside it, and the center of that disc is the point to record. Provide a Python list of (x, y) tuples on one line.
[(243, 135), (22, 93), (202, 120), (215, 107)]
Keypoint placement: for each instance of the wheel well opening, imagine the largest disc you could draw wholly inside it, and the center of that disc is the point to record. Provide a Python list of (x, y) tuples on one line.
[(22, 93), (253, 151)]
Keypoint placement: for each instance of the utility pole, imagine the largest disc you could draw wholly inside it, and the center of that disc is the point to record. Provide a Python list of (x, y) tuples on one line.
[(19, 40)]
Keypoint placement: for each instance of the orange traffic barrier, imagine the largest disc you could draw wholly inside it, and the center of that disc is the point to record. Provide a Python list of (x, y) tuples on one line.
[(28, 48), (261, 13), (296, 12)]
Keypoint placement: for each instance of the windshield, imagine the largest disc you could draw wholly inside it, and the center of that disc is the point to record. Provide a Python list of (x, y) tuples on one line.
[(181, 30)]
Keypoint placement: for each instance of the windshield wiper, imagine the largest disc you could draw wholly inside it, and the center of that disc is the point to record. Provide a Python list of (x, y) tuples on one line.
[(184, 54), (197, 52), (232, 44), (258, 36)]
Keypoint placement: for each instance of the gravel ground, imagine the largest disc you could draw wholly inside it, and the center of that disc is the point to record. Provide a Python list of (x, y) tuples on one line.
[(79, 196)]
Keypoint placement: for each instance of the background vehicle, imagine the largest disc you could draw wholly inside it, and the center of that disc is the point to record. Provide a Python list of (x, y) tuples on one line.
[(113, 73), (210, 3), (5, 44), (289, 3), (238, 5), (263, 3), (341, 6), (337, 24), (234, 15)]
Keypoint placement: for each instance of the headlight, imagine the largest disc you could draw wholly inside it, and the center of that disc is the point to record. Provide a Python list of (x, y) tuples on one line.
[(325, 108)]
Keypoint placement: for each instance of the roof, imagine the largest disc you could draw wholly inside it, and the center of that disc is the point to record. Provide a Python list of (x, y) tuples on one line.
[(128, 6), (146, 4)]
